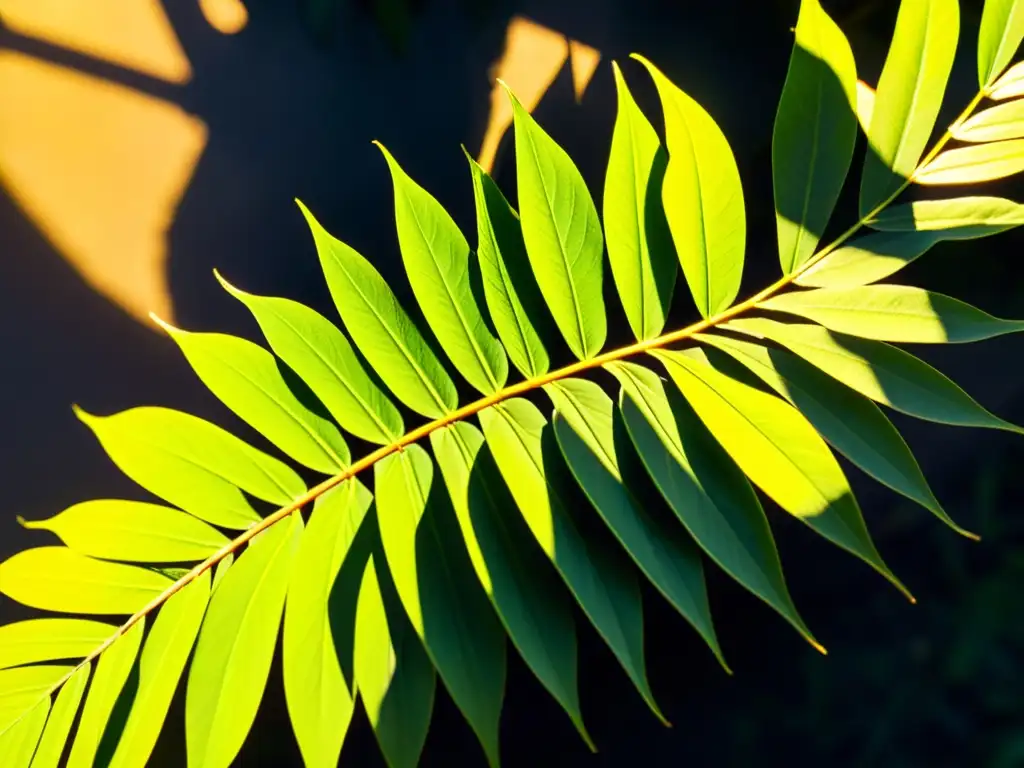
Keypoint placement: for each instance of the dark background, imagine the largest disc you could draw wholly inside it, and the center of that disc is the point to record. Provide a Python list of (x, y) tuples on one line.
[(291, 109)]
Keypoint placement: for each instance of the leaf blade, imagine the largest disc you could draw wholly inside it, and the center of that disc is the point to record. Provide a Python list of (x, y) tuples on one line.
[(1003, 121), (35, 640), (1002, 29), (973, 164), (62, 715)]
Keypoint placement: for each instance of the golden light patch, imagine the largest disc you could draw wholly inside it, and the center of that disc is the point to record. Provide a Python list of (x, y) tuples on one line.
[(226, 16)]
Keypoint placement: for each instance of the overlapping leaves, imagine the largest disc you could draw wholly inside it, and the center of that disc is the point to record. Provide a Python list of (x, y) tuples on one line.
[(560, 492)]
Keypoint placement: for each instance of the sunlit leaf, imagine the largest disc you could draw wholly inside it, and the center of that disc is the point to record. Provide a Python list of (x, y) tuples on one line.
[(381, 329), (1010, 85), (434, 580), (703, 198), (34, 640), (436, 257), (815, 129), (780, 452), (562, 234), (1003, 121), (19, 741), (313, 347), (865, 105), (235, 647), (957, 218), (1002, 29), (193, 464), (909, 95), (62, 715), (973, 164), (640, 251), (868, 259)]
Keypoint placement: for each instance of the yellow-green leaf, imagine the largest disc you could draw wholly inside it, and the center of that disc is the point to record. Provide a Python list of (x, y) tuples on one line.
[(1002, 29), (909, 95), (34, 640), (1003, 121), (59, 579), (957, 218), (703, 198), (973, 164), (865, 105), (1010, 85), (562, 234), (640, 251), (236, 644), (113, 529), (18, 743), (868, 259), (815, 129), (62, 716)]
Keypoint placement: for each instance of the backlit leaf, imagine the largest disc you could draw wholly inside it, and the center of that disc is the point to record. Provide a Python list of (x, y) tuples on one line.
[(562, 234), (643, 264), (19, 741), (780, 452), (909, 95), (1010, 85), (113, 529), (957, 218), (704, 487), (381, 329), (34, 640), (435, 583), (815, 129), (703, 198), (1002, 29), (313, 347), (865, 105), (193, 464), (62, 715), (973, 164), (1003, 121), (59, 579), (236, 644), (868, 259)]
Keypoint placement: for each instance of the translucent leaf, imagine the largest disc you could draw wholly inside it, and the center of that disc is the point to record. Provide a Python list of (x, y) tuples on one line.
[(511, 293), (884, 373), (562, 235), (525, 450), (909, 95), (958, 218), (247, 379), (780, 452), (381, 329), (1002, 29), (58, 579), (815, 129), (1003, 121), (852, 424), (193, 464), (322, 356), (703, 198), (114, 529), (704, 487), (868, 259), (163, 660), (236, 644), (395, 679), (865, 105), (973, 164), (643, 263), (19, 741), (320, 701), (532, 607), (112, 672), (436, 257), (893, 313), (585, 427), (34, 640), (1010, 85), (434, 581), (62, 716)]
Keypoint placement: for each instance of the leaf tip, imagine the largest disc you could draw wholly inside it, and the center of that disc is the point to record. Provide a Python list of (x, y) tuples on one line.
[(82, 415), (170, 329), (237, 293)]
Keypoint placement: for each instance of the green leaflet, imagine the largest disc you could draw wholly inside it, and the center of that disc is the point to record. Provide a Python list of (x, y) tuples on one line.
[(58, 579), (1003, 121), (381, 329), (704, 487), (865, 105), (113, 529), (395, 679), (246, 378), (909, 95), (703, 198), (562, 234), (1002, 29), (1010, 85), (19, 742), (236, 643), (313, 347), (584, 425), (193, 464), (521, 442), (533, 609), (436, 257), (435, 583), (958, 218), (640, 250), (320, 701), (854, 425), (34, 640), (62, 716), (510, 290), (868, 259), (973, 164), (815, 130), (221, 570), (22, 688), (112, 672), (779, 450), (884, 373), (893, 313)]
